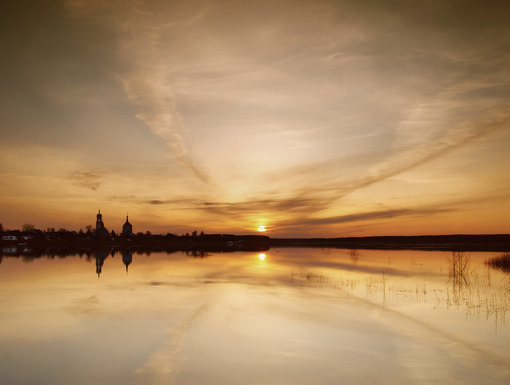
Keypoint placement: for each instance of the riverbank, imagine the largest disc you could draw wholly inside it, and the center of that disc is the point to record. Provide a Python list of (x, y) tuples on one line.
[(19, 243), (458, 242)]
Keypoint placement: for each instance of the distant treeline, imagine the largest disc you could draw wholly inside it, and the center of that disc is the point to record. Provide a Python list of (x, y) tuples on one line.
[(36, 242), (494, 242)]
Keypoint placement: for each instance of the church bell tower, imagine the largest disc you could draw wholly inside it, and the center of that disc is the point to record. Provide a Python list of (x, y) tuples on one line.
[(99, 222)]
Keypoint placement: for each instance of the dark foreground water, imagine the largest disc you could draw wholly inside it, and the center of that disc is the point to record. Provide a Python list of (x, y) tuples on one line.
[(288, 316)]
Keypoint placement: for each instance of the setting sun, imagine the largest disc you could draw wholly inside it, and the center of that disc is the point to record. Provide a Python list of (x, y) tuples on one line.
[(262, 228)]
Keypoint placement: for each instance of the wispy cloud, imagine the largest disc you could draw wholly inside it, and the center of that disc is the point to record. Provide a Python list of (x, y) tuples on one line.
[(145, 80), (91, 179), (366, 216), (428, 150), (181, 203)]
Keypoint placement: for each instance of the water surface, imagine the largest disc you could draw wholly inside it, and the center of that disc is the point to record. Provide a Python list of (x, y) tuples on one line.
[(287, 316)]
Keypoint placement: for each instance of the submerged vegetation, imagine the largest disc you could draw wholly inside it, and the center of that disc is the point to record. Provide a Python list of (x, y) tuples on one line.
[(468, 285), (458, 269), (501, 262)]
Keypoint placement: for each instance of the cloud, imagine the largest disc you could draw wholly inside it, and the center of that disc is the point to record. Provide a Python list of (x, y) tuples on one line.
[(180, 203), (318, 193), (91, 179), (145, 80), (145, 68), (322, 193), (367, 216), (292, 204), (447, 206), (428, 150), (401, 161), (122, 198)]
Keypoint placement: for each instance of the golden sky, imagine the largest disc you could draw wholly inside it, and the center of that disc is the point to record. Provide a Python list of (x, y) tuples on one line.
[(312, 118)]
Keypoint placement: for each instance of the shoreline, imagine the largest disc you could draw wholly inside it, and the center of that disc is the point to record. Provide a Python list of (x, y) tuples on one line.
[(455, 242), (68, 243)]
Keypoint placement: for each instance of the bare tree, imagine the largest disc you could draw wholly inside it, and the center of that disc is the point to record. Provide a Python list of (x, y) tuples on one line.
[(27, 227)]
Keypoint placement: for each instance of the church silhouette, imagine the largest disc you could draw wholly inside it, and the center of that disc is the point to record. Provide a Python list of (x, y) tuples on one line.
[(102, 231)]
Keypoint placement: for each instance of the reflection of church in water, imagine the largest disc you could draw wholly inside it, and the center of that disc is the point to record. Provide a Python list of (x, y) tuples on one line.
[(127, 258), (101, 255)]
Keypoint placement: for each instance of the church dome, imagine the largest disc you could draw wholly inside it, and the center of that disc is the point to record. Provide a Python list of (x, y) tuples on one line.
[(127, 228)]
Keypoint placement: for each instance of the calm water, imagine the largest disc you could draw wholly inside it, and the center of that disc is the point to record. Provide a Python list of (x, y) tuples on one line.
[(288, 316)]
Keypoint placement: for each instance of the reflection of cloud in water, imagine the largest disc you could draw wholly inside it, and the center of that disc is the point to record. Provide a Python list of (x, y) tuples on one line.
[(458, 349), (349, 267), (163, 366), (388, 290), (421, 338), (86, 306), (297, 318)]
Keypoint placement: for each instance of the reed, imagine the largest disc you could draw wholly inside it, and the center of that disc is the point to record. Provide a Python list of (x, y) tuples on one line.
[(501, 262), (458, 268)]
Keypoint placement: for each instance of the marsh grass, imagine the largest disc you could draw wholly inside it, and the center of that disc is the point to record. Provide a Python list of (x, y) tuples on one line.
[(501, 262), (354, 254), (468, 287), (458, 269), (310, 278)]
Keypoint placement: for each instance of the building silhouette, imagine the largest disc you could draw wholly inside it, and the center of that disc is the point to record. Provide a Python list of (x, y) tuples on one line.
[(100, 256), (127, 228), (127, 258), (100, 229)]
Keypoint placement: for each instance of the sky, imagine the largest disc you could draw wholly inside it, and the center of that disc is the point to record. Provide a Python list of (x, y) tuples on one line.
[(302, 118)]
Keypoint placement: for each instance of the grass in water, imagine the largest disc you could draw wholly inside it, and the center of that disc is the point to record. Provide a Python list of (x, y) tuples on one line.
[(501, 262)]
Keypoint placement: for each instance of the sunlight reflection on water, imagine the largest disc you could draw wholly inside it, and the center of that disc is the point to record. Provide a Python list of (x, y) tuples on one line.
[(296, 316)]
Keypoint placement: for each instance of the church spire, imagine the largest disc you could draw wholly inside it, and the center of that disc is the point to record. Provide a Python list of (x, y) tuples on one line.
[(100, 229)]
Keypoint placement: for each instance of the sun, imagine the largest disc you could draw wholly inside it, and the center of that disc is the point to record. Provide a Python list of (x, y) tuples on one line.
[(262, 228)]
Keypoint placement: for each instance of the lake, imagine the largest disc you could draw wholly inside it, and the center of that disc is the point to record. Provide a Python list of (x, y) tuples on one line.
[(284, 316)]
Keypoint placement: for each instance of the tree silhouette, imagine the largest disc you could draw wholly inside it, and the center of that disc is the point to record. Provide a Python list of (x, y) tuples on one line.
[(27, 227)]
